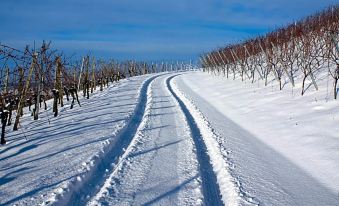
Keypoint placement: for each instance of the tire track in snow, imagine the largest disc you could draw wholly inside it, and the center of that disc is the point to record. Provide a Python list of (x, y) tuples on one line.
[(119, 189), (143, 122), (81, 190), (217, 184)]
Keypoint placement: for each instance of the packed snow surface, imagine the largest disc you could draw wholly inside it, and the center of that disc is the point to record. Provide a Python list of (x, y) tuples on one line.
[(187, 138)]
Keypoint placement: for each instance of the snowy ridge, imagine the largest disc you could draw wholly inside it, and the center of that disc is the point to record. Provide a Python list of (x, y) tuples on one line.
[(145, 118), (78, 190), (229, 191)]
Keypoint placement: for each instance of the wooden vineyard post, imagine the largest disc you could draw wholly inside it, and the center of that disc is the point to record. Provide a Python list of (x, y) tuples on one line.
[(334, 39), (58, 81), (93, 86), (37, 107), (224, 64), (6, 81), (20, 88), (336, 73), (101, 80), (82, 66), (4, 116), (23, 94), (86, 80), (74, 78)]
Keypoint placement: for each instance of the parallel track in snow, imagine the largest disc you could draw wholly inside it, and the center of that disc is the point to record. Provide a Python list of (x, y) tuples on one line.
[(213, 178), (151, 147), (134, 136), (210, 187), (80, 192)]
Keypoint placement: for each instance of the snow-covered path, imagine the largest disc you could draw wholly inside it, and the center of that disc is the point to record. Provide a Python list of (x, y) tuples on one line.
[(170, 160), (173, 139), (160, 166)]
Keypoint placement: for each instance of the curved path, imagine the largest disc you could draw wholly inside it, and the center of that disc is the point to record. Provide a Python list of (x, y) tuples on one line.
[(185, 152), (167, 162), (151, 140)]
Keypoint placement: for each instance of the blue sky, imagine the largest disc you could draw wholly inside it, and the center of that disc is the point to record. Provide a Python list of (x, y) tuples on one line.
[(145, 29)]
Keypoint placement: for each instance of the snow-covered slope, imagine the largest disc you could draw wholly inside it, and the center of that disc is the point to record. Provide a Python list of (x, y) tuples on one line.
[(178, 139), (59, 155), (284, 147)]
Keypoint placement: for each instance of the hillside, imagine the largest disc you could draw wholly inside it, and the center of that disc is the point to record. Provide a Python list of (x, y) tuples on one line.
[(178, 138)]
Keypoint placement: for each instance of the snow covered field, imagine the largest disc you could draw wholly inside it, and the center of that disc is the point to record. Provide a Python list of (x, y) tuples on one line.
[(179, 139)]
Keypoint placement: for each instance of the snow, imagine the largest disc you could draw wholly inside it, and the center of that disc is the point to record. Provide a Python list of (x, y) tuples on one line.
[(284, 146), (159, 165), (228, 190), (187, 138), (60, 154)]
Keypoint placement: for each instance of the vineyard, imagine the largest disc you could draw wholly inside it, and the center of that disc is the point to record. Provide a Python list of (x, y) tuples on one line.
[(307, 47), (254, 122), (31, 77)]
